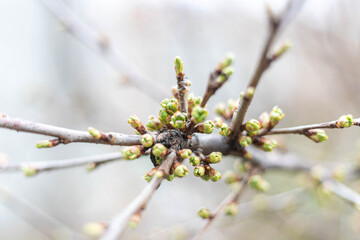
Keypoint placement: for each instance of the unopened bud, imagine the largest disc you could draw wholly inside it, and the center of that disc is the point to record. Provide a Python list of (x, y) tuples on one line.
[(147, 140), (214, 157), (230, 177), (218, 121), (224, 130), (199, 171), (94, 229), (199, 114), (281, 50), (245, 141), (44, 144), (131, 153), (207, 127), (194, 160), (94, 132), (134, 121), (317, 135), (184, 153), (170, 105), (164, 116), (249, 93), (179, 65), (231, 209), (276, 115), (178, 120), (339, 173), (258, 183), (29, 170), (345, 121), (264, 120), (204, 213), (181, 170), (193, 101), (214, 175), (134, 220), (159, 150), (252, 125), (269, 145), (170, 177), (154, 124), (228, 59)]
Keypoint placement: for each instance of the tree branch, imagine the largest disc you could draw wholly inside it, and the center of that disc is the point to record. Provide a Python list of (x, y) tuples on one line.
[(36, 217), (65, 135), (120, 222), (264, 63), (101, 45), (304, 128), (41, 166), (234, 196)]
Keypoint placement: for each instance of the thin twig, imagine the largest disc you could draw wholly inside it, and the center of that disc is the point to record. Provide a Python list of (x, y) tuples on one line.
[(100, 44), (303, 129), (342, 191), (36, 217), (234, 196), (264, 63), (67, 135), (120, 222), (40, 166)]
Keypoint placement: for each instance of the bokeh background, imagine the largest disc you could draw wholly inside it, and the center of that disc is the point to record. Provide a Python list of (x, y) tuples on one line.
[(48, 76)]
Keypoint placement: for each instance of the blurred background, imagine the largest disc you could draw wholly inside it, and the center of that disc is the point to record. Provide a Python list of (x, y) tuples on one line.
[(48, 76)]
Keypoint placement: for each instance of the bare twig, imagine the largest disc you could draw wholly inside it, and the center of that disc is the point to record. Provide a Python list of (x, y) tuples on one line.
[(97, 42), (40, 166), (120, 222), (305, 128), (265, 61), (234, 196), (36, 217), (65, 135), (342, 191), (182, 92)]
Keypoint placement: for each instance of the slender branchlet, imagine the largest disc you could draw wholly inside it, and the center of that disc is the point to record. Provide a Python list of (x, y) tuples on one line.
[(264, 63)]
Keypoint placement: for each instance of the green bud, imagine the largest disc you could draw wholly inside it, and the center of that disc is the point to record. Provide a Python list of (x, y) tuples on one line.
[(230, 177), (178, 120), (184, 153), (258, 183), (154, 124), (276, 115), (150, 174), (204, 213), (227, 71), (134, 121), (164, 116), (252, 125), (345, 121), (252, 133), (28, 170), (193, 101), (339, 173), (214, 157), (232, 104), (224, 129), (147, 140), (221, 109), (205, 177), (317, 135), (94, 229), (218, 121), (318, 172), (214, 175), (187, 83), (44, 144), (131, 153), (159, 150), (94, 132), (245, 141), (181, 171), (240, 166), (170, 105), (228, 59), (198, 114), (249, 93), (282, 49), (206, 127), (179, 65), (91, 166), (199, 171), (264, 120), (134, 220), (231, 209), (159, 160), (194, 160), (170, 177), (269, 145)]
